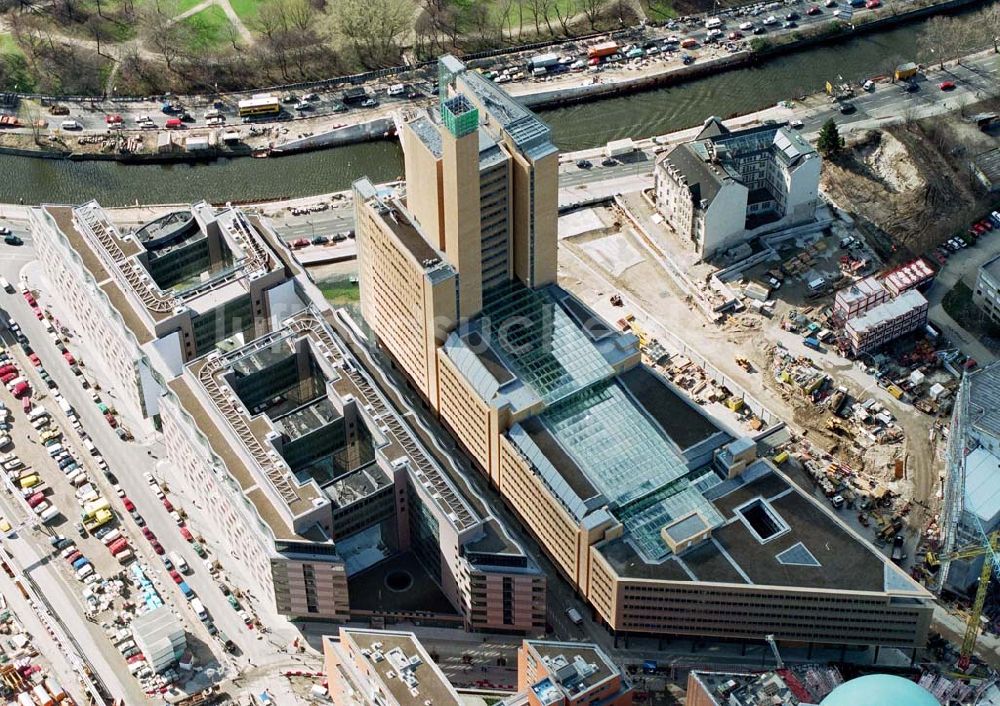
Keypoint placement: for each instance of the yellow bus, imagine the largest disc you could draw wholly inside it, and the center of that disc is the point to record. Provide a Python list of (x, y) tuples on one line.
[(260, 104)]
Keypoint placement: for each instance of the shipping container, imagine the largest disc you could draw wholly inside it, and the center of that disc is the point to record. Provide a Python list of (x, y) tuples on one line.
[(599, 51)]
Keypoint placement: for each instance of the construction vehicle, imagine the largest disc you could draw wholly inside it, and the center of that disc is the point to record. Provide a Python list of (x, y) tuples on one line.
[(745, 364)]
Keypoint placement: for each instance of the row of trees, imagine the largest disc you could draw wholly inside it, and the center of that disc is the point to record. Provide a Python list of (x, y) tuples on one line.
[(292, 40)]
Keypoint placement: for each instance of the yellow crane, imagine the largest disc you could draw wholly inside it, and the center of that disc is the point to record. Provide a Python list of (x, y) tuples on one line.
[(988, 550)]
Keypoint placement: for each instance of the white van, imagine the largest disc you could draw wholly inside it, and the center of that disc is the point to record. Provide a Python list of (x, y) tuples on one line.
[(713, 23), (54, 450), (84, 571), (50, 514), (89, 445), (199, 609), (70, 125), (396, 89), (37, 413), (178, 561), (111, 536)]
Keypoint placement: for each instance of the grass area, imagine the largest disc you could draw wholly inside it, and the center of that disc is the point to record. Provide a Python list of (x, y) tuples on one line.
[(661, 9), (340, 292), (958, 303), (246, 9), (8, 45), (207, 30)]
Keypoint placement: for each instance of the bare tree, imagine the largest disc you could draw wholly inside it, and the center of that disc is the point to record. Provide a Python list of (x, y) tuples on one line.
[(161, 32), (937, 40), (592, 10), (375, 28)]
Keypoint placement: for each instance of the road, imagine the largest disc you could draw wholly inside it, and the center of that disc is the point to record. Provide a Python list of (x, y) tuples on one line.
[(123, 459), (975, 77)]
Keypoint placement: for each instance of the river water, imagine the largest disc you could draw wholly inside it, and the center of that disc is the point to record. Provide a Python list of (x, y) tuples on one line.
[(575, 127)]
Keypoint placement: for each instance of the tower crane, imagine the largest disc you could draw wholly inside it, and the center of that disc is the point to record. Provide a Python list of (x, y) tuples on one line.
[(991, 562)]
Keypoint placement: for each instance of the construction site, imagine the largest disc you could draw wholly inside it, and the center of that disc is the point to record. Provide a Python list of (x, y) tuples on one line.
[(816, 343)]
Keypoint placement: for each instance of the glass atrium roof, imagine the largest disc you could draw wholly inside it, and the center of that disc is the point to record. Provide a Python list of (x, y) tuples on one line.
[(644, 518), (539, 342), (622, 453)]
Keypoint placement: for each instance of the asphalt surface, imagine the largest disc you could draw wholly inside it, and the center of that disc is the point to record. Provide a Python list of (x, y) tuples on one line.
[(123, 460)]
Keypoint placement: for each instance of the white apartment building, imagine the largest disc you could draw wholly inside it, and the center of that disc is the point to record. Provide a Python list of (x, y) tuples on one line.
[(725, 187), (987, 293)]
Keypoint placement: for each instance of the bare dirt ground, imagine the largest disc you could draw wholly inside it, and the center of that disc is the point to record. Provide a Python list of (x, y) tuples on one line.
[(912, 181)]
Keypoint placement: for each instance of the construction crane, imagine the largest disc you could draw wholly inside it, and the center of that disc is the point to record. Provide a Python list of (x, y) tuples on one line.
[(774, 648), (988, 550), (956, 504)]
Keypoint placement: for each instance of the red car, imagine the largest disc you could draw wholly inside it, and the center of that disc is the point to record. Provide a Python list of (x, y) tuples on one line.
[(176, 577), (38, 313), (74, 556), (7, 377), (299, 243), (21, 389), (168, 505), (987, 224), (186, 534), (735, 35), (814, 10), (8, 370), (30, 298), (110, 419), (69, 358), (113, 119), (26, 404), (35, 360), (129, 505), (872, 4), (148, 534), (947, 85), (157, 547), (976, 229)]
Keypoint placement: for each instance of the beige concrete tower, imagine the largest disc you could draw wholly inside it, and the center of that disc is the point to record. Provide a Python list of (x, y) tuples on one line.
[(460, 171)]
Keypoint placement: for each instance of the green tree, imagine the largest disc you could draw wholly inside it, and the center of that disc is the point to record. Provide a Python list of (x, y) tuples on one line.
[(830, 142)]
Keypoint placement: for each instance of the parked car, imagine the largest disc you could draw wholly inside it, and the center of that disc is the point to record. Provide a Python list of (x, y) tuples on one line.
[(947, 85)]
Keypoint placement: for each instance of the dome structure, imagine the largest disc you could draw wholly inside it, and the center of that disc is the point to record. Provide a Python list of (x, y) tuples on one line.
[(880, 690)]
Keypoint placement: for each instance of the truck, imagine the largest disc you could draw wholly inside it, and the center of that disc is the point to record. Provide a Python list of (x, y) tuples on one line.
[(897, 549), (810, 342), (602, 50), (102, 517), (178, 561), (125, 556), (118, 546), (94, 506), (575, 616), (80, 563), (186, 590), (48, 515), (837, 400), (66, 407), (55, 689), (543, 61), (199, 609), (906, 71)]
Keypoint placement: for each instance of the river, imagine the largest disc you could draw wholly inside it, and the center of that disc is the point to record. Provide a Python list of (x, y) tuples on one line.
[(575, 127)]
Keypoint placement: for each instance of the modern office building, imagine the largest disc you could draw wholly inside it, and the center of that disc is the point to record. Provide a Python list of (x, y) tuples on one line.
[(383, 668), (656, 514), (390, 668), (886, 322), (481, 172), (725, 187), (972, 487), (170, 291), (567, 674), (312, 480)]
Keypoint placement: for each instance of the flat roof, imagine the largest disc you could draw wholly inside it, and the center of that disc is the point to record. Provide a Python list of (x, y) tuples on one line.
[(402, 667), (577, 667), (860, 290), (982, 484), (115, 261), (811, 549), (902, 305), (685, 424)]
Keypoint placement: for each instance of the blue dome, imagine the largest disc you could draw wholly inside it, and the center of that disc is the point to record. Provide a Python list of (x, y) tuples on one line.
[(880, 690)]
